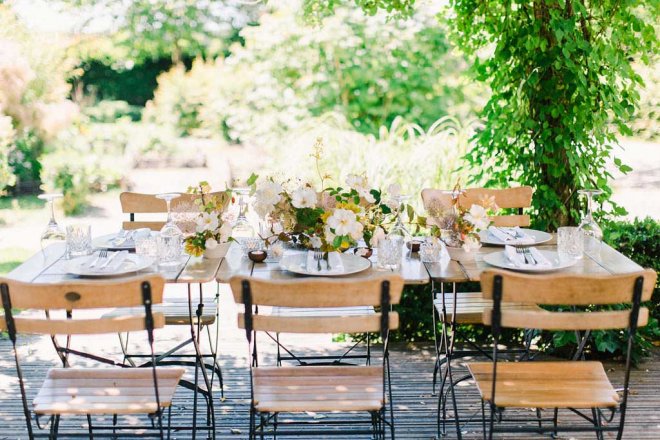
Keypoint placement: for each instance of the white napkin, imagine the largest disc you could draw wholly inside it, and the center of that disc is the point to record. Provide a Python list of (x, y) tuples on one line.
[(336, 265), (519, 259), (118, 259), (128, 238), (502, 235)]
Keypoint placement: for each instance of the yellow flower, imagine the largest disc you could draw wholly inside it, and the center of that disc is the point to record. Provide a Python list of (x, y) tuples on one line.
[(193, 250)]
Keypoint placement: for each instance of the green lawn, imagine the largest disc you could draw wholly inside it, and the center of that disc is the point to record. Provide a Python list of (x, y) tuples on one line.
[(12, 257), (21, 202)]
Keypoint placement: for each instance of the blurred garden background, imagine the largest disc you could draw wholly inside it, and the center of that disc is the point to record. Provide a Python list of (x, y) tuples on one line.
[(100, 96)]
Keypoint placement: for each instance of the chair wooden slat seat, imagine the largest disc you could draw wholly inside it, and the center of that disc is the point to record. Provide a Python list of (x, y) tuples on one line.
[(323, 312), (105, 391), (545, 384), (175, 311), (318, 388), (470, 307)]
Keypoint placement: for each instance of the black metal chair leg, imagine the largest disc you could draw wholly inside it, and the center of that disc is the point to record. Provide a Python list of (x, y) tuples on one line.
[(90, 429)]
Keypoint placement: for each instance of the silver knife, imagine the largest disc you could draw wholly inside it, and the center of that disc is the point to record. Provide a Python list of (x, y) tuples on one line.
[(112, 257)]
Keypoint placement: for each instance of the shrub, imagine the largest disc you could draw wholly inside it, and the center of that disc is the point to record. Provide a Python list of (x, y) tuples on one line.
[(111, 111)]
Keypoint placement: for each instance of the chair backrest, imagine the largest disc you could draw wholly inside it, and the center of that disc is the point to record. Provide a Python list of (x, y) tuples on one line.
[(81, 295), (312, 293), (507, 198), (138, 203), (567, 290)]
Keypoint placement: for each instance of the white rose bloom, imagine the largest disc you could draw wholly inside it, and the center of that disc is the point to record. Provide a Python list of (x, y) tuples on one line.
[(262, 209), (344, 222), (357, 232), (315, 242), (269, 193), (366, 195), (478, 217), (207, 222), (304, 198), (210, 244)]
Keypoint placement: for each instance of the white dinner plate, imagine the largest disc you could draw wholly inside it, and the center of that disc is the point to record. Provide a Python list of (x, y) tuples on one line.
[(499, 259), (132, 263), (297, 263), (539, 237), (105, 242)]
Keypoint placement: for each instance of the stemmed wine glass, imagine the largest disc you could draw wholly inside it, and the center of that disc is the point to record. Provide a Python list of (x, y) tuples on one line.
[(171, 238), (53, 232), (242, 228), (593, 234)]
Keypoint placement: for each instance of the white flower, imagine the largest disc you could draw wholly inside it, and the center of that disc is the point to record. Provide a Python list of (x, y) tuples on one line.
[(277, 249), (225, 232), (478, 216), (269, 193), (357, 182), (357, 232), (207, 222), (329, 235), (360, 184), (304, 198), (263, 210), (471, 244), (344, 222), (315, 242), (210, 244), (379, 234)]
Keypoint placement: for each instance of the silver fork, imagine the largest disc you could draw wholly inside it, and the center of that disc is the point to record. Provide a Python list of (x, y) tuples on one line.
[(529, 255), (327, 260), (522, 252), (103, 254), (318, 256)]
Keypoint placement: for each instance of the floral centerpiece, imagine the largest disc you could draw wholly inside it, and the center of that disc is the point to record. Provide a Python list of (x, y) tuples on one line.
[(459, 227), (212, 234), (332, 218)]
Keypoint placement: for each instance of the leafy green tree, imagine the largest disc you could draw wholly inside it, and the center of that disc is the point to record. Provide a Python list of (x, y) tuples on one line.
[(563, 87), (176, 28)]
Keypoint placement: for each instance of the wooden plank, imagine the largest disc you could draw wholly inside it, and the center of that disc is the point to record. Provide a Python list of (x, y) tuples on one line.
[(36, 264), (199, 270), (318, 292), (544, 320), (566, 384), (568, 289), (319, 324), (83, 294)]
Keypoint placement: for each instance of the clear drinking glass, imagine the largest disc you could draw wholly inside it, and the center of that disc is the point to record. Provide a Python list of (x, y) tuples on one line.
[(570, 242), (593, 235), (242, 228), (170, 240), (430, 251), (53, 233), (390, 252), (147, 246), (78, 240)]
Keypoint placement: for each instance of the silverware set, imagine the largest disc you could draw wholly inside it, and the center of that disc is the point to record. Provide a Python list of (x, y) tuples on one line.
[(318, 257), (103, 259), (527, 255)]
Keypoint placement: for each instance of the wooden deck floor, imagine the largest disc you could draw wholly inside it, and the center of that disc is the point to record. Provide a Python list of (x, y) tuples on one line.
[(415, 406)]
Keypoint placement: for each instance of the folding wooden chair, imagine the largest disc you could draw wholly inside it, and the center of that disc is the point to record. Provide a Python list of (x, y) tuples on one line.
[(364, 388), (177, 311), (571, 385), (91, 391), (451, 308)]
